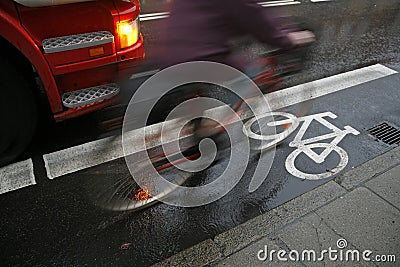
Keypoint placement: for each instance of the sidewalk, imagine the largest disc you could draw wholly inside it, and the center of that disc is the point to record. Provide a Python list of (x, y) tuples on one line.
[(359, 210)]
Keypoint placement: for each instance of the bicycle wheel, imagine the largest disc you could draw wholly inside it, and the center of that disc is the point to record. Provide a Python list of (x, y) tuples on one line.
[(264, 135), (123, 193), (291, 167)]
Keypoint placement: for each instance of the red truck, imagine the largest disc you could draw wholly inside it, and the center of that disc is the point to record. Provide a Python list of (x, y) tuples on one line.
[(72, 51)]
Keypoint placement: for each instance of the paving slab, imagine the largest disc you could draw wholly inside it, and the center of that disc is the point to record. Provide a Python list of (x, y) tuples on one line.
[(311, 233), (249, 256), (357, 175), (365, 220), (387, 185), (199, 255), (237, 238)]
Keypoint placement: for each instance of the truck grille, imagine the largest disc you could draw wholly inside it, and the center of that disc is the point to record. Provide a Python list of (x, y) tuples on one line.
[(89, 95)]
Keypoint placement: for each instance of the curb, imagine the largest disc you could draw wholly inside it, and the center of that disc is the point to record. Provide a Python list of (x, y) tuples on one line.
[(210, 252)]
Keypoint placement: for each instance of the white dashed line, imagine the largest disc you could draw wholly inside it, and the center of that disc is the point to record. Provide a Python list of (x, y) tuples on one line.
[(91, 154), (278, 3), (163, 15), (94, 153), (314, 89), (143, 74), (154, 16), (83, 156), (16, 176)]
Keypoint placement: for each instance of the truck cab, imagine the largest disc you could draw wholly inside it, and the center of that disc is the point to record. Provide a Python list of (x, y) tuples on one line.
[(72, 51)]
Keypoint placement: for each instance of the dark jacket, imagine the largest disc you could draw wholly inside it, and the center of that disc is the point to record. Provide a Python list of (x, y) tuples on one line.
[(203, 29)]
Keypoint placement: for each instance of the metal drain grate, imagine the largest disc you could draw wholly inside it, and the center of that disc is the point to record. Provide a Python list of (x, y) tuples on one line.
[(386, 133)]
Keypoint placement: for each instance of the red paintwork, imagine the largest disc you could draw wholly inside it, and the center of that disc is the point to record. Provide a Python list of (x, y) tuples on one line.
[(11, 30), (62, 20), (125, 8), (75, 56), (70, 81), (134, 52), (26, 27), (84, 65), (76, 112)]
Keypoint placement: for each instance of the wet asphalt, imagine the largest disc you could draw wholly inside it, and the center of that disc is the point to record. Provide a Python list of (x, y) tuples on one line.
[(56, 223)]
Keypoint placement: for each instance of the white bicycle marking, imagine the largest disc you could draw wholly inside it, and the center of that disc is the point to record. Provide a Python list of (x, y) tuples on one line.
[(291, 168), (305, 145), (336, 132), (273, 139)]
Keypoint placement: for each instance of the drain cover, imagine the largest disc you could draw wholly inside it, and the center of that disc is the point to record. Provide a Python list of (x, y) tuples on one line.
[(386, 133)]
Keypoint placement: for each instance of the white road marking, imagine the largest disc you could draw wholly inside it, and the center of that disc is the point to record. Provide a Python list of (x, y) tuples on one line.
[(292, 169), (97, 152), (304, 145), (314, 89), (16, 176), (154, 14), (153, 17), (279, 3), (82, 156), (143, 74), (163, 15), (317, 1), (91, 154)]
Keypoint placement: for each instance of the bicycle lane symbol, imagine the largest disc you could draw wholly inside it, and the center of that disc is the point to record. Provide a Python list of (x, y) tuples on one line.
[(306, 146)]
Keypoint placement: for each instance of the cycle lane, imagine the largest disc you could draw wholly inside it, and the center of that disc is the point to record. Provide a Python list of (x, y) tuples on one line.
[(78, 233)]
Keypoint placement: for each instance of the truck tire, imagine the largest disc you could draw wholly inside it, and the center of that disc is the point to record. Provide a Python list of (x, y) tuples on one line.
[(18, 111)]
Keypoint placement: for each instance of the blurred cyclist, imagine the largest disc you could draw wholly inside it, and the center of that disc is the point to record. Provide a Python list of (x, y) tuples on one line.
[(203, 30)]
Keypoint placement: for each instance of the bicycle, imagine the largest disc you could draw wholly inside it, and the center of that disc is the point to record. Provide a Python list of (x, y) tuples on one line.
[(124, 194)]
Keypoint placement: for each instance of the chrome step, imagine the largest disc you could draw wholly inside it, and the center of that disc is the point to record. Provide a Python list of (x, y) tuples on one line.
[(76, 41), (90, 95)]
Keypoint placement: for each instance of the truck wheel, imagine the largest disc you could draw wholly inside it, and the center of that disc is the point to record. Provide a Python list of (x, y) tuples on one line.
[(18, 114)]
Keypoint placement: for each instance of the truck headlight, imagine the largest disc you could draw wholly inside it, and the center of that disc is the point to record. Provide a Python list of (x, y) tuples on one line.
[(128, 32)]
